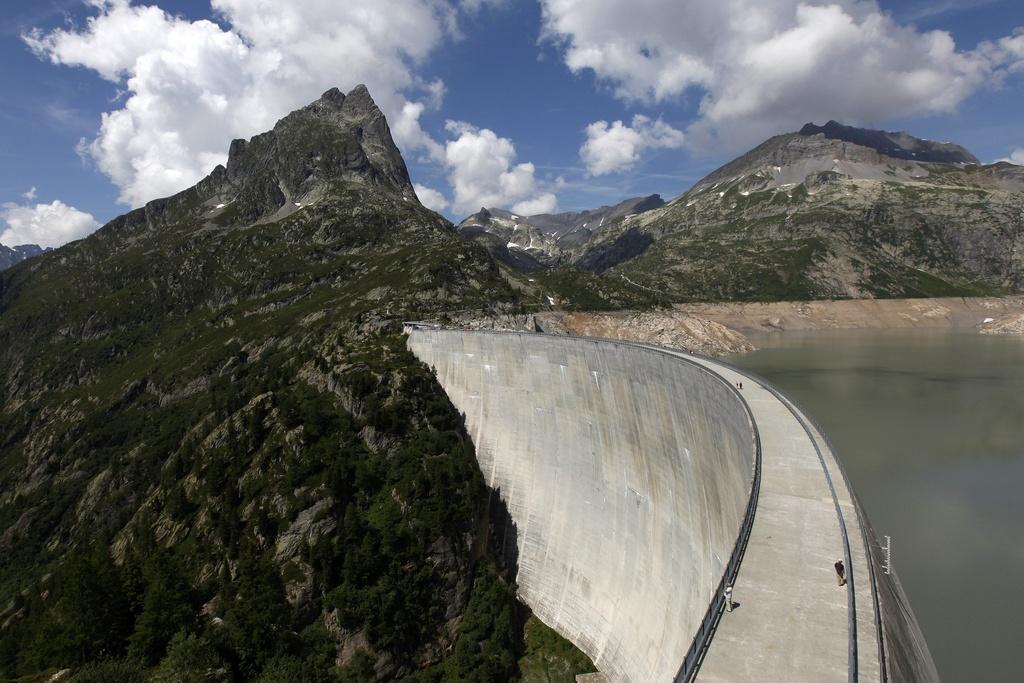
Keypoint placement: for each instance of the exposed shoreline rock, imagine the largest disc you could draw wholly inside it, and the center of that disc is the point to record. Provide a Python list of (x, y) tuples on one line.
[(669, 328), (1005, 324), (721, 329), (981, 313), (662, 328)]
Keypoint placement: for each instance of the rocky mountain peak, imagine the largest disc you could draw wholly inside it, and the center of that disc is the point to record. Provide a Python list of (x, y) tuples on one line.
[(245, 307), (336, 140), (337, 137), (835, 152), (334, 97), (359, 99), (901, 145)]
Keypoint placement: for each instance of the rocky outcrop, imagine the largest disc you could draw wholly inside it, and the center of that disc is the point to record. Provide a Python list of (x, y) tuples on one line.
[(900, 145), (674, 329), (309, 526), (1006, 324), (662, 328)]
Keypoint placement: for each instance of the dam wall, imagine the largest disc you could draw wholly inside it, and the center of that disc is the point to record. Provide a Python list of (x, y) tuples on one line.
[(627, 473)]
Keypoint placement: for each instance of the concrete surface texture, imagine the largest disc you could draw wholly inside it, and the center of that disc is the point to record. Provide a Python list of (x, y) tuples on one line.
[(627, 470), (792, 622), (785, 642)]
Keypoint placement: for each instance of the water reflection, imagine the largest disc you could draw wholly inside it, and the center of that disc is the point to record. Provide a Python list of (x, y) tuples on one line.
[(930, 427)]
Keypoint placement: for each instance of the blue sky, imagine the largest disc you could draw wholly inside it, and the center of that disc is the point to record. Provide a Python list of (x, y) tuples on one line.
[(496, 102)]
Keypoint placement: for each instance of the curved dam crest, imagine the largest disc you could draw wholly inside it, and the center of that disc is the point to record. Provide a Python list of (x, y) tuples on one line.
[(627, 475), (639, 480)]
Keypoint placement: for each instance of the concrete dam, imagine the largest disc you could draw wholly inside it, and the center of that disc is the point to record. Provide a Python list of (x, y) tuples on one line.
[(642, 481)]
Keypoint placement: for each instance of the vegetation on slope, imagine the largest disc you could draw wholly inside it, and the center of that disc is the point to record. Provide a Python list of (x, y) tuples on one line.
[(847, 240), (219, 462), (577, 289), (550, 658)]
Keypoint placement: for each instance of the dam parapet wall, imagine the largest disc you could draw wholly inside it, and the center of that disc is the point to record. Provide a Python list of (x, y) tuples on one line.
[(627, 472)]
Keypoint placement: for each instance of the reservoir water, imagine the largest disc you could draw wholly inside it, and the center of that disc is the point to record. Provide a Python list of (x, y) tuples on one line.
[(930, 428)]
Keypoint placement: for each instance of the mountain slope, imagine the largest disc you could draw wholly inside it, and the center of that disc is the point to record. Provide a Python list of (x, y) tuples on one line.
[(830, 212), (214, 443)]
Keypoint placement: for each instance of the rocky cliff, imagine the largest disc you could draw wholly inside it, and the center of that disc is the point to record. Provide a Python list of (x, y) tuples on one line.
[(901, 145)]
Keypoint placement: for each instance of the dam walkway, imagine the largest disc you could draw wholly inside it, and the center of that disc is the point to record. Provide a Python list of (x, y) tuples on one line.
[(624, 478), (793, 622)]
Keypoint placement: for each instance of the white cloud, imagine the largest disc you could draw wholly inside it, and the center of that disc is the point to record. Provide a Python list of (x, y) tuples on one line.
[(764, 66), (430, 198), (1016, 157), (192, 86), (617, 147), (1007, 52), (31, 194), (546, 202), (48, 225), (482, 172)]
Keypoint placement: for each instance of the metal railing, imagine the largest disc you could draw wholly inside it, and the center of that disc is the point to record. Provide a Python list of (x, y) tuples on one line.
[(863, 524), (702, 639), (805, 417)]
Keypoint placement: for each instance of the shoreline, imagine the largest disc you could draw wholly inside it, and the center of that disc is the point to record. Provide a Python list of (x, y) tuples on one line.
[(725, 329), (987, 315)]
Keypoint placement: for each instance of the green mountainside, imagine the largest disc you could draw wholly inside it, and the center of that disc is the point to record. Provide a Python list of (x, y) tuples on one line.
[(218, 461), (828, 212)]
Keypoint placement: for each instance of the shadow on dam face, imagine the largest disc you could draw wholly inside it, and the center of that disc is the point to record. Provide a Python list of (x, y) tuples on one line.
[(627, 473)]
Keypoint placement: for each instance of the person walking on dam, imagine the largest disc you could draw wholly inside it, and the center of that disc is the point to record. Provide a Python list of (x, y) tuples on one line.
[(840, 573), (727, 592)]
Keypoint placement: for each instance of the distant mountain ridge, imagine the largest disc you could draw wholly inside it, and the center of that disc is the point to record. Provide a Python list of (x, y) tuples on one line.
[(828, 211), (561, 224), (10, 256), (793, 158), (823, 213), (530, 243)]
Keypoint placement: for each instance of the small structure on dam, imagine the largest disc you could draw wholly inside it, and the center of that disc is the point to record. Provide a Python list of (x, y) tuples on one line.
[(642, 481)]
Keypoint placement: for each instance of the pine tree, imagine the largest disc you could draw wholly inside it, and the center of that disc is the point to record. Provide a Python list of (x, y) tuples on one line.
[(166, 608), (258, 617)]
